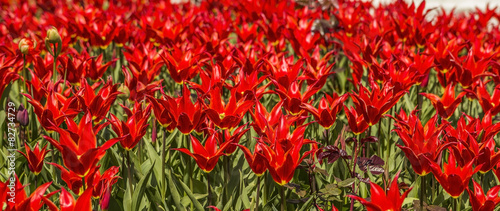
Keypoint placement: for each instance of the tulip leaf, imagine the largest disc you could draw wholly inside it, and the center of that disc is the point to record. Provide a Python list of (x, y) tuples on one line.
[(307, 205), (190, 194), (173, 190), (244, 194), (158, 171), (141, 188)]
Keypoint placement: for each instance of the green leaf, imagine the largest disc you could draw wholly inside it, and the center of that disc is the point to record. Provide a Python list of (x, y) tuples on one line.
[(173, 190), (141, 188), (190, 194), (346, 182)]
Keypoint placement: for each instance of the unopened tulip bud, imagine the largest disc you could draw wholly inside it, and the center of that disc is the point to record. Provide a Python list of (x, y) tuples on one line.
[(22, 116), (53, 36), (25, 45)]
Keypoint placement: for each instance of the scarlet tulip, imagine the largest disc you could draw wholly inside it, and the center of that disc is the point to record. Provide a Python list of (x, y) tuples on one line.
[(206, 156), (35, 157), (226, 116), (479, 201), (328, 109), (78, 145), (131, 131), (356, 121), (373, 104), (257, 160), (445, 106), (420, 142), (455, 178), (381, 199)]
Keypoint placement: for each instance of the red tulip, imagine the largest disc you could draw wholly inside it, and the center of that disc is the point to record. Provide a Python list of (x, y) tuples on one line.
[(420, 142), (34, 201), (131, 131), (78, 145), (446, 105), (226, 116), (98, 103), (257, 160), (356, 121), (181, 64), (292, 99), (328, 109), (206, 156), (373, 104), (35, 157), (68, 203), (455, 178), (284, 159), (479, 201), (15, 187), (390, 199), (56, 109), (162, 112)]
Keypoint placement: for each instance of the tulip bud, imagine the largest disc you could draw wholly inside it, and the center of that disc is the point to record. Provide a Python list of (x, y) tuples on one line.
[(22, 116), (105, 199), (53, 36), (124, 91)]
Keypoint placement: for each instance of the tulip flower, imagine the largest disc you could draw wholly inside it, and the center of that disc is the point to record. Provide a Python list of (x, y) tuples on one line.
[(455, 178), (34, 201), (73, 180), (98, 103), (479, 201), (489, 102), (56, 109), (328, 109), (373, 104), (26, 46), (380, 199), (187, 114), (293, 100), (131, 131), (22, 116), (283, 160), (181, 64), (445, 106), (102, 184), (206, 156), (257, 160), (35, 157), (420, 142), (356, 121), (67, 202), (15, 187), (162, 114), (233, 138), (78, 145), (226, 116)]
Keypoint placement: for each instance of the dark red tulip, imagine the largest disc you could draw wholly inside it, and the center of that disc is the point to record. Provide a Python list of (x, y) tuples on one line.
[(380, 199), (481, 202), (226, 116), (35, 157), (455, 178), (206, 156), (131, 131), (329, 107), (445, 106)]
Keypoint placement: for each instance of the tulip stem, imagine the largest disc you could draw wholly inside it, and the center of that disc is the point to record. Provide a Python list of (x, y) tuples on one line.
[(422, 192), (163, 162), (258, 194), (129, 173), (209, 191), (283, 200), (54, 76)]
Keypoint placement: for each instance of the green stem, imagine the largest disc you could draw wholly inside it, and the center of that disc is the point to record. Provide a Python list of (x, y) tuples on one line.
[(422, 192), (129, 173), (283, 200), (54, 76), (209, 191), (163, 162), (258, 194)]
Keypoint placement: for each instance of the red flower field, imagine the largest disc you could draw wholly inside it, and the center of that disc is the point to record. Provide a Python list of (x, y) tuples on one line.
[(248, 105)]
